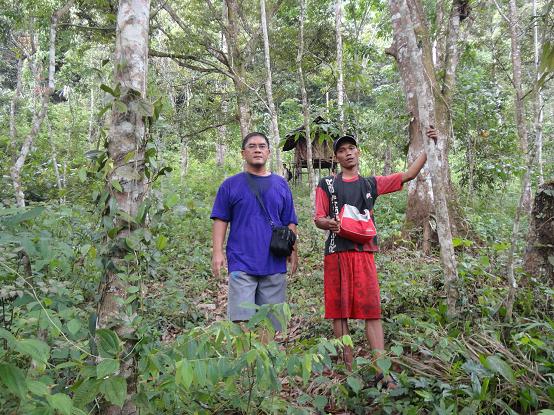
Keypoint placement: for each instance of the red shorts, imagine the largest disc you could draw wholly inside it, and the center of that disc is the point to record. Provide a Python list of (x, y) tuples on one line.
[(351, 289)]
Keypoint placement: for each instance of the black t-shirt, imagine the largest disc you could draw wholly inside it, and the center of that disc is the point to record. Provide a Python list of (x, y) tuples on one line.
[(360, 192)]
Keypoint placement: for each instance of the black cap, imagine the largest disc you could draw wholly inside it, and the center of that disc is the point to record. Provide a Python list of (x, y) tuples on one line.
[(344, 139)]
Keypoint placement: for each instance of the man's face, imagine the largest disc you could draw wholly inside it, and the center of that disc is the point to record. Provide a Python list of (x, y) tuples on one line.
[(347, 155), (256, 151)]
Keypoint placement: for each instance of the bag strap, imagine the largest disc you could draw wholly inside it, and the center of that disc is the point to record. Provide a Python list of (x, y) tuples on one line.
[(254, 189)]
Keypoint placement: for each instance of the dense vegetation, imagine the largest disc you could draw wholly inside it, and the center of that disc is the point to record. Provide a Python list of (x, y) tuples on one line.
[(57, 250)]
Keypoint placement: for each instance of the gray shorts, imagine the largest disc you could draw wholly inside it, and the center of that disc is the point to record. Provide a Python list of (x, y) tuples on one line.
[(245, 288)]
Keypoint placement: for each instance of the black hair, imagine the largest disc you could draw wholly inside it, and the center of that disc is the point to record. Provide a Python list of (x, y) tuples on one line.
[(254, 134)]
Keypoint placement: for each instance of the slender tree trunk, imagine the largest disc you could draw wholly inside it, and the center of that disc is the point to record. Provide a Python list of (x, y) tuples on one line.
[(91, 117), (54, 159), (127, 138), (278, 167), (525, 198), (305, 105), (38, 117), (538, 102), (387, 165), (238, 66), (340, 79), (14, 103), (403, 29)]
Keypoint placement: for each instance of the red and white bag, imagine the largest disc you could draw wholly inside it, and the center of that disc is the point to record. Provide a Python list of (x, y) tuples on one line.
[(356, 226)]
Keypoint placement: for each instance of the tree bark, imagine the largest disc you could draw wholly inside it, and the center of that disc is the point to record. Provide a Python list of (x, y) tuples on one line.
[(409, 52), (439, 63), (39, 115), (538, 101), (525, 197), (340, 79), (237, 62), (278, 167), (305, 105), (55, 161), (126, 148), (13, 104)]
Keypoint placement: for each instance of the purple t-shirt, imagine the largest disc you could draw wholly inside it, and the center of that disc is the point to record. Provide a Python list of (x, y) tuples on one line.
[(250, 233)]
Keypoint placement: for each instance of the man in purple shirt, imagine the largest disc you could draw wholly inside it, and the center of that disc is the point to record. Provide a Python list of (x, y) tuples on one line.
[(255, 275)]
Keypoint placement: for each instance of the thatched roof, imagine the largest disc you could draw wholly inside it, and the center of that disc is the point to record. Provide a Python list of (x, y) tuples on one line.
[(321, 131)]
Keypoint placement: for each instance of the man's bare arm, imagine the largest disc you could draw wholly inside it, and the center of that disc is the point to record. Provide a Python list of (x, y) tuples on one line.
[(219, 229)]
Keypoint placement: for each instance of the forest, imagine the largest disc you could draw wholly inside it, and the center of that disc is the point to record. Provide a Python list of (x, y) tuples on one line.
[(119, 121)]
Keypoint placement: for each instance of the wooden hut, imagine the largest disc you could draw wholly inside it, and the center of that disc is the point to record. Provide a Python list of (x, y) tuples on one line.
[(323, 134)]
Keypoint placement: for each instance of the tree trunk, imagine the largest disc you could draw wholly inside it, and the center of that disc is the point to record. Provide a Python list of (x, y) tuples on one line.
[(439, 60), (340, 79), (540, 245), (525, 198), (404, 34), (387, 165), (126, 148), (278, 167), (238, 66), (54, 160), (305, 105), (13, 104), (39, 115), (90, 134), (538, 102)]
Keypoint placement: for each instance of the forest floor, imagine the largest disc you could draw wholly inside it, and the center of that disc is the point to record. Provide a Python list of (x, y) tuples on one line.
[(192, 361)]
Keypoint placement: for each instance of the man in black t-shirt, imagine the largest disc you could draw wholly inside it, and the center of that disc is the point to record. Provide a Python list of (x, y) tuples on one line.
[(350, 278)]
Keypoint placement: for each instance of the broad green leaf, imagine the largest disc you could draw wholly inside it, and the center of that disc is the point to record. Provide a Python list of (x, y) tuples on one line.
[(106, 367), (251, 356), (38, 388), (355, 384), (86, 392), (384, 364), (546, 412), (14, 379), (61, 402), (119, 106), (108, 342), (35, 348), (107, 89), (117, 186), (10, 338), (74, 326), (115, 390), (161, 242), (184, 373), (497, 365)]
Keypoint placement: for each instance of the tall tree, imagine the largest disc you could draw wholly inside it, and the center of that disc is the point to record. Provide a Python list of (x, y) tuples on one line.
[(305, 104), (538, 101), (340, 77), (276, 153), (524, 204), (126, 181), (440, 59), (39, 115), (405, 34)]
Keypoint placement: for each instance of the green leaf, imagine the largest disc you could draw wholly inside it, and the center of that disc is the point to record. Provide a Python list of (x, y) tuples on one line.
[(251, 356), (61, 402), (546, 412), (38, 388), (35, 348), (10, 338), (107, 367), (161, 242), (86, 392), (21, 217), (497, 365), (107, 89), (171, 200), (14, 379), (183, 373), (116, 185), (397, 350), (355, 384), (115, 390), (384, 364), (119, 106), (108, 342), (74, 326)]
